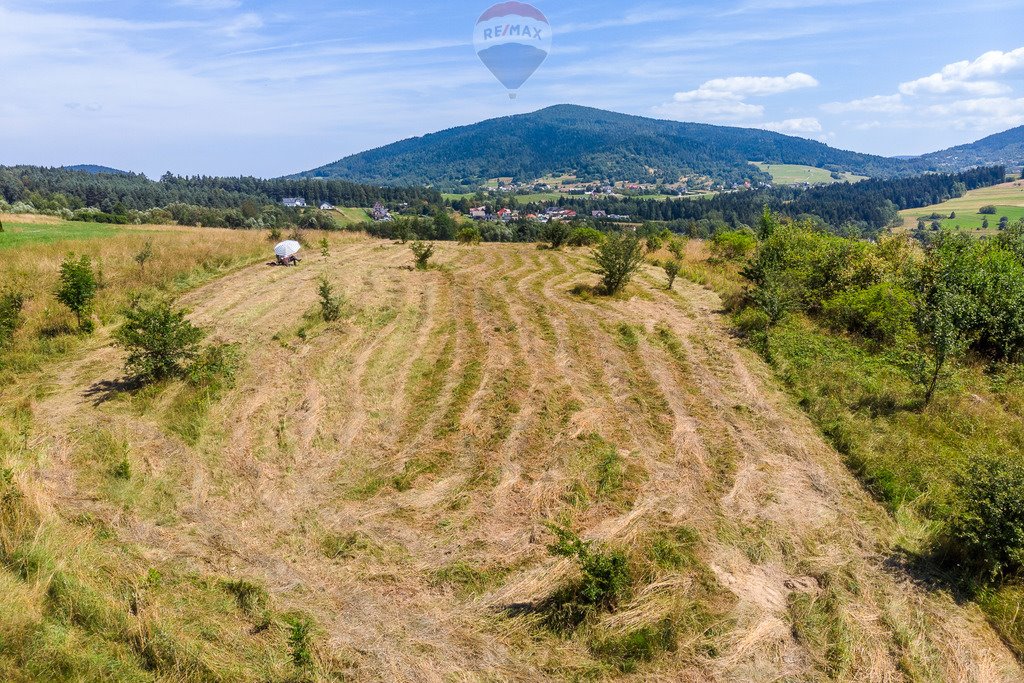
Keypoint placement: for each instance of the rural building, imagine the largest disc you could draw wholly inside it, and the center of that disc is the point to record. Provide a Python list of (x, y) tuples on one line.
[(327, 206), (294, 202), (380, 213), (479, 213)]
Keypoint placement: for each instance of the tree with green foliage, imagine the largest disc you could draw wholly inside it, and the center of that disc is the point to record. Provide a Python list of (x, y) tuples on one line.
[(733, 245), (160, 340), (77, 288), (469, 236), (677, 247), (445, 225), (325, 247), (618, 258), (330, 304), (939, 309), (144, 256), (767, 224), (672, 268), (555, 233), (422, 251), (584, 237), (988, 209)]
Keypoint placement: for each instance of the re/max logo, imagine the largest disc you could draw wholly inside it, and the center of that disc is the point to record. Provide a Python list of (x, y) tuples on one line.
[(512, 30)]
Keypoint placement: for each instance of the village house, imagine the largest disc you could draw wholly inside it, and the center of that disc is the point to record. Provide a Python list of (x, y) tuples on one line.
[(327, 206), (479, 213), (294, 202), (380, 213)]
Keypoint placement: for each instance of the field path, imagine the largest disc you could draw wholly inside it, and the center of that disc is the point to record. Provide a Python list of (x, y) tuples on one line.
[(390, 475)]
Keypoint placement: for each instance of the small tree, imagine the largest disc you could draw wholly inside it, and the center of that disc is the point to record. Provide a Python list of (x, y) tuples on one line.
[(11, 304), (325, 247), (606, 577), (144, 256), (422, 251), (159, 339), (330, 305), (555, 233), (672, 268), (469, 235), (677, 247), (77, 288), (618, 258)]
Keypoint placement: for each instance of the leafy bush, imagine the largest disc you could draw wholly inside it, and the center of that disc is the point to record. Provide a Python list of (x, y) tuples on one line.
[(618, 258), (672, 268), (584, 237), (555, 233), (751, 321), (77, 287), (469, 235), (422, 251), (159, 339), (988, 527), (882, 312), (215, 366), (606, 579), (733, 245), (988, 210), (11, 304)]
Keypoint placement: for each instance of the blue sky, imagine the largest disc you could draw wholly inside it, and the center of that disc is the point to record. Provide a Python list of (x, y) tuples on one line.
[(233, 87)]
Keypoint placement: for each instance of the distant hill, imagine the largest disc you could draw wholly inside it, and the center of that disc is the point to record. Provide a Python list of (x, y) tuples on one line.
[(595, 145), (1006, 149), (96, 170)]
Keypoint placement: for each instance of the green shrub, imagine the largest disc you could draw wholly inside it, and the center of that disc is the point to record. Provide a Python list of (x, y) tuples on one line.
[(422, 251), (214, 366), (11, 304), (77, 287), (988, 526), (618, 258), (144, 256), (605, 581), (469, 236), (330, 304), (882, 312), (325, 247), (585, 237), (672, 268), (159, 339), (751, 321), (988, 210), (733, 245), (555, 233), (300, 641)]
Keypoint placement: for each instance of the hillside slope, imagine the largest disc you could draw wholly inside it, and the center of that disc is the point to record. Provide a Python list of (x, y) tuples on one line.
[(595, 145), (390, 475), (1004, 149)]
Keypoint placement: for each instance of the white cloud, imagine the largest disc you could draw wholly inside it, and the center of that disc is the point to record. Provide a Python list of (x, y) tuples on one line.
[(986, 113), (241, 25), (883, 104), (741, 87), (723, 110), (803, 126), (972, 77), (724, 99)]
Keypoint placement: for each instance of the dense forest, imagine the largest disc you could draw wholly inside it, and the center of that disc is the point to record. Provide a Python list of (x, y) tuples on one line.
[(865, 207), (56, 188), (594, 145)]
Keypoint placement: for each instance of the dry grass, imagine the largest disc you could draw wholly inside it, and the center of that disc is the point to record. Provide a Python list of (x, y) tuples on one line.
[(388, 475)]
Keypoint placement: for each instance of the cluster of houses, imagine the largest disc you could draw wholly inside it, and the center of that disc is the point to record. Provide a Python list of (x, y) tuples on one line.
[(380, 213), (552, 213), (300, 203)]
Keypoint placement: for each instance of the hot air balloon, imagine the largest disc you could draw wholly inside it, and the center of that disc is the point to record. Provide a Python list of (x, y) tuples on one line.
[(512, 39)]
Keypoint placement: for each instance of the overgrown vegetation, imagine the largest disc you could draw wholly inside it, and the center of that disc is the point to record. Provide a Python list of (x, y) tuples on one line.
[(908, 357), (77, 289)]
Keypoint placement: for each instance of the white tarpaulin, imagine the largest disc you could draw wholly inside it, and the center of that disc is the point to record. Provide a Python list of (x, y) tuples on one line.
[(288, 248)]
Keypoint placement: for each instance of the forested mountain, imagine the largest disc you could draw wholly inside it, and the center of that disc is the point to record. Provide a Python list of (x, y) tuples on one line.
[(64, 188), (1006, 148), (595, 145)]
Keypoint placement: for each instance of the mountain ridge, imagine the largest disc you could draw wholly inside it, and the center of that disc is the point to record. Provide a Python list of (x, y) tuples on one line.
[(595, 145)]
